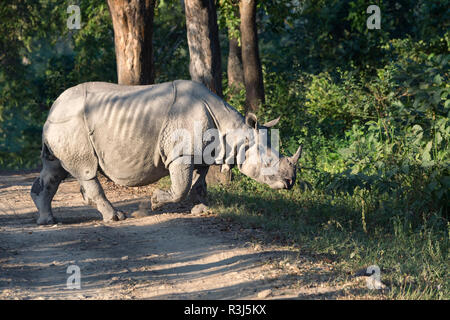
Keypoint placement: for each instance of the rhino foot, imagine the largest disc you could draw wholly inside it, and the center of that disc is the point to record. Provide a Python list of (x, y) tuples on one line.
[(156, 206), (199, 208), (156, 202), (143, 210), (120, 216), (46, 220), (117, 216)]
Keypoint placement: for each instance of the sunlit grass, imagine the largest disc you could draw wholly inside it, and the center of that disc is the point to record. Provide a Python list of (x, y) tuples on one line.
[(413, 259)]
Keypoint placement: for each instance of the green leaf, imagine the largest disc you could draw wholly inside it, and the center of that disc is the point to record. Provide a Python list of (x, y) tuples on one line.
[(437, 79), (426, 157)]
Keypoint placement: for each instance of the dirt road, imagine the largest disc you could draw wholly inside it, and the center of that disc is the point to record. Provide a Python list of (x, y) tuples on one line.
[(165, 255)]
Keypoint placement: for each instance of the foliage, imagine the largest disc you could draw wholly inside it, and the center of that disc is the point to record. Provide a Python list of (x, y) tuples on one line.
[(413, 262), (40, 58), (371, 108), (171, 53), (228, 18)]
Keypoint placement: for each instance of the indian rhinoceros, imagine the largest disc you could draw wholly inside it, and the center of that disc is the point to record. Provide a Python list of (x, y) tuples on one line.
[(126, 132)]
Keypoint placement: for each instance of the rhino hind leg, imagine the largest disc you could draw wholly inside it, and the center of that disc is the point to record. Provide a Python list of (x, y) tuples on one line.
[(93, 194), (45, 187), (181, 178)]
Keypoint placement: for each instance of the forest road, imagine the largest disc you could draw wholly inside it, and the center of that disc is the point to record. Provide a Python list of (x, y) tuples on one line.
[(165, 255)]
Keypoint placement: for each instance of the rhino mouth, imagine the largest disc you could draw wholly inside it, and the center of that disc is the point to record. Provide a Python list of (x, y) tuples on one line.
[(287, 184), (279, 185)]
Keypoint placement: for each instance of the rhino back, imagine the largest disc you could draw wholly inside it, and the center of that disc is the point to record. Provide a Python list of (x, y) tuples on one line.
[(124, 123)]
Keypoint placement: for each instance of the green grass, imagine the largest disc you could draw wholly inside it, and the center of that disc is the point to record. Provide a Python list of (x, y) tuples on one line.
[(413, 257)]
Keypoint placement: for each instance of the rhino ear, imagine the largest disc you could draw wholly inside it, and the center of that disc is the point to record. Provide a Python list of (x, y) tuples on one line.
[(272, 123), (297, 155), (250, 120)]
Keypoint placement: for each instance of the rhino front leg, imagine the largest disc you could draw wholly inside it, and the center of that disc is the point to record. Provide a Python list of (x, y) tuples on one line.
[(198, 191), (45, 187), (93, 194), (181, 178)]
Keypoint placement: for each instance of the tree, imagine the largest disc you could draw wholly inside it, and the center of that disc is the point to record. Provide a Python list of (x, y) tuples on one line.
[(229, 20), (203, 41), (133, 33), (253, 77), (204, 52), (235, 72)]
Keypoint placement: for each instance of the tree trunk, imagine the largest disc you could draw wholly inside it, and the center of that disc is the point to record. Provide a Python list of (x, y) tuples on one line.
[(234, 68), (203, 41), (253, 78), (133, 34), (205, 64)]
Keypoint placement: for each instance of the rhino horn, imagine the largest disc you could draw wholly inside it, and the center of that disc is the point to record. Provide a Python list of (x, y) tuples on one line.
[(297, 155), (271, 123)]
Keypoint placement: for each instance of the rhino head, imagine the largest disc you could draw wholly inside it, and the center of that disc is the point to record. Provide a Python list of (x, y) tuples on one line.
[(262, 162)]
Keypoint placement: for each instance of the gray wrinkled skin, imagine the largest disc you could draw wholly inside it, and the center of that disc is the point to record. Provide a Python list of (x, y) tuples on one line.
[(126, 132)]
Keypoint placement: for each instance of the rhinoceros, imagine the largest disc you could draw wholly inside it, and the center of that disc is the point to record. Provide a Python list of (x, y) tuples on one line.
[(126, 132)]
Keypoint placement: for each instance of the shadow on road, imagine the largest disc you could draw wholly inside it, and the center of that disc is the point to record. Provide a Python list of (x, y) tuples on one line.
[(167, 255)]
